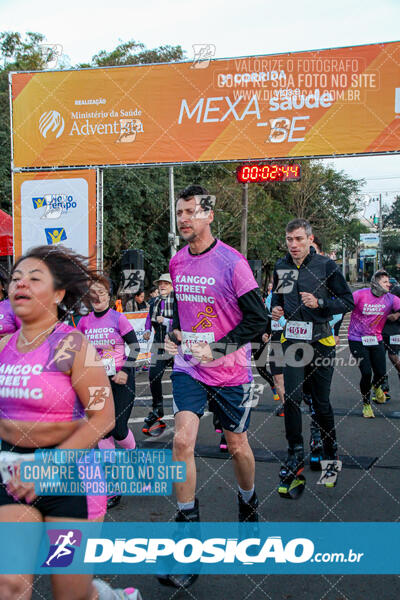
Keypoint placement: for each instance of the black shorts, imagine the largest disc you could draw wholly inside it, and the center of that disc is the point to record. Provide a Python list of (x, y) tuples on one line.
[(70, 507), (390, 347)]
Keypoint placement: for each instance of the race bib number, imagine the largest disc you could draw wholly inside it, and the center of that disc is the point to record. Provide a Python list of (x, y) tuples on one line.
[(369, 340), (299, 330), (275, 326), (394, 339), (190, 338), (109, 365)]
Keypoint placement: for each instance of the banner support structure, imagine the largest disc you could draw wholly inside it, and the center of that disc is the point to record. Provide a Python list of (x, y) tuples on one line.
[(99, 220), (245, 210), (172, 238)]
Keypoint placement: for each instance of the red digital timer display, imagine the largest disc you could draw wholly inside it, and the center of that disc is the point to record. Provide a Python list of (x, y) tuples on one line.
[(269, 172)]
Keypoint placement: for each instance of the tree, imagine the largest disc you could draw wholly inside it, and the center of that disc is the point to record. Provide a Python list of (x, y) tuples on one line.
[(17, 53), (392, 218), (135, 53)]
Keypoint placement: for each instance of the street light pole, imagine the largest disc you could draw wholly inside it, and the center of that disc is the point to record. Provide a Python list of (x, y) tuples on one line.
[(245, 208), (380, 233), (172, 238)]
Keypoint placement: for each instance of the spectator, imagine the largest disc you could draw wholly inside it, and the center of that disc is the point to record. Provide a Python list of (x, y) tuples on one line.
[(137, 303)]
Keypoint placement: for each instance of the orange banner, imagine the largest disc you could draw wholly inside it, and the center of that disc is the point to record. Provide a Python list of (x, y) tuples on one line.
[(55, 207), (318, 103)]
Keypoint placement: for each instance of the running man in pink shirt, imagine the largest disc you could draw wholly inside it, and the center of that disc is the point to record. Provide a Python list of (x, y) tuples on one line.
[(372, 307), (219, 311)]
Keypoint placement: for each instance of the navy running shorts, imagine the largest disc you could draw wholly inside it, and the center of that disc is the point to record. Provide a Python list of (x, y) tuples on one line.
[(232, 404)]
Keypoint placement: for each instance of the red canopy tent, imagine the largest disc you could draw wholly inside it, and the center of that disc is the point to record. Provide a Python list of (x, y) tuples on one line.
[(6, 234)]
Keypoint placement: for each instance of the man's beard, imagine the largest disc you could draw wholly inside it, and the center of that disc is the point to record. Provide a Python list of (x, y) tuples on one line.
[(188, 237)]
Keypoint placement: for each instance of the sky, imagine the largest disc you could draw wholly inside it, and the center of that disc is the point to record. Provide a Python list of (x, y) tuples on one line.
[(236, 28)]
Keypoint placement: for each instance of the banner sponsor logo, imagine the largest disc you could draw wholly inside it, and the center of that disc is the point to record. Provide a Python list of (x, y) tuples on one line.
[(54, 205), (55, 235), (191, 550), (39, 202), (63, 543), (51, 122)]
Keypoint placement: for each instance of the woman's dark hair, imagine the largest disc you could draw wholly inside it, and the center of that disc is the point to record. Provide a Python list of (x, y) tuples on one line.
[(70, 273)]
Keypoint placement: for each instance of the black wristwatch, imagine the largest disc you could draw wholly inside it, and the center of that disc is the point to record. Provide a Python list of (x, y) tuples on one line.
[(321, 303)]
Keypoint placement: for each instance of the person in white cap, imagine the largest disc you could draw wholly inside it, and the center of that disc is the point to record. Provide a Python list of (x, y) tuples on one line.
[(160, 319)]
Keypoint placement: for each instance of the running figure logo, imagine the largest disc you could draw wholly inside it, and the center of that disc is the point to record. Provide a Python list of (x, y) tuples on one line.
[(64, 353), (205, 322), (62, 547), (97, 397), (287, 279)]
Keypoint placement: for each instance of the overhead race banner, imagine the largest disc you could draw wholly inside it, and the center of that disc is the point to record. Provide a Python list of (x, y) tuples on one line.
[(55, 208), (318, 103)]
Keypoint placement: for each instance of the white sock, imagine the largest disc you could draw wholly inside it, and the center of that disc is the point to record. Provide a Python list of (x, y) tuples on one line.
[(105, 591), (246, 494), (186, 505)]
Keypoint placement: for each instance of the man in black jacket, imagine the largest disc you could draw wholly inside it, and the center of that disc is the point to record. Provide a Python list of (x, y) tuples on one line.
[(160, 319), (308, 290)]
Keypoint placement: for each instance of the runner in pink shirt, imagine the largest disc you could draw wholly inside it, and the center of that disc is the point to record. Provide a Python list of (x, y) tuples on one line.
[(109, 331), (219, 311), (47, 389), (372, 307)]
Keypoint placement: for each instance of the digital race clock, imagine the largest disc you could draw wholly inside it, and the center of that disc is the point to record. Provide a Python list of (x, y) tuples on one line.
[(269, 172)]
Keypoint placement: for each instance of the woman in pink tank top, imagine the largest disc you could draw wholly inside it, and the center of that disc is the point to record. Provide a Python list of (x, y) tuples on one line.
[(47, 392)]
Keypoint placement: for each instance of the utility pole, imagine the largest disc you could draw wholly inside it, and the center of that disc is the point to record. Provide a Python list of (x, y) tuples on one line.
[(344, 259), (245, 208), (172, 237), (380, 233)]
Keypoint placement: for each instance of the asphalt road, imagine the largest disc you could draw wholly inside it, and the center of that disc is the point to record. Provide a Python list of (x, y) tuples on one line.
[(362, 493)]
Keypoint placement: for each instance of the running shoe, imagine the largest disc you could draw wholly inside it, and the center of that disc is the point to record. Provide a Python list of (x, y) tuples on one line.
[(368, 413), (248, 510), (153, 424), (113, 501), (190, 517), (223, 445), (280, 411), (378, 395), (275, 394), (129, 593)]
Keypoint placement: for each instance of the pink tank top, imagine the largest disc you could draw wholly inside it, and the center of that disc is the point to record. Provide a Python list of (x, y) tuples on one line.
[(35, 386)]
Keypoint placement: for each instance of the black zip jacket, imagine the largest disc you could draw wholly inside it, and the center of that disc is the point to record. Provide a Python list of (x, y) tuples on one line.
[(317, 275)]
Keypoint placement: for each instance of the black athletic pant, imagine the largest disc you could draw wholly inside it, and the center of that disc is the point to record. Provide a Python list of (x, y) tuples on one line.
[(314, 365), (155, 377), (372, 361), (124, 397), (261, 368)]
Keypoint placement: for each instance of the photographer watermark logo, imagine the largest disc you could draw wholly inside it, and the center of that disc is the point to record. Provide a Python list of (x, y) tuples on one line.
[(202, 54)]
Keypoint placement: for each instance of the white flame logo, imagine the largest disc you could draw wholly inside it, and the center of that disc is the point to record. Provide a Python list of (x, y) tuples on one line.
[(53, 121)]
